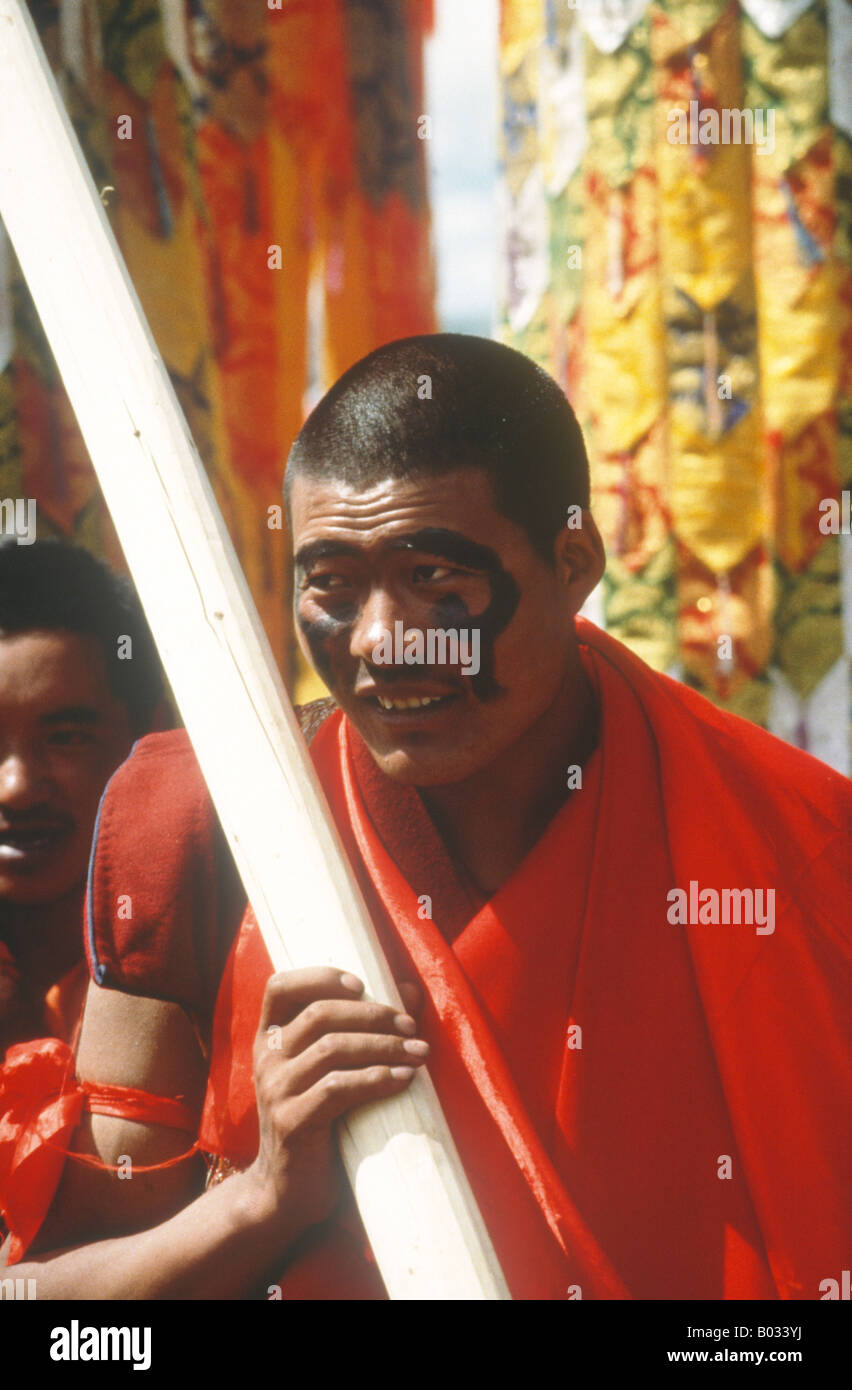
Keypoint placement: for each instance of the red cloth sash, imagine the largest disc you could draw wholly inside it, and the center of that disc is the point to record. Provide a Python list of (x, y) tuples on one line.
[(690, 1146), (41, 1104)]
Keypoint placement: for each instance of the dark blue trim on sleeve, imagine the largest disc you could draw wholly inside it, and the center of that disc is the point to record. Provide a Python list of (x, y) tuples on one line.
[(99, 970)]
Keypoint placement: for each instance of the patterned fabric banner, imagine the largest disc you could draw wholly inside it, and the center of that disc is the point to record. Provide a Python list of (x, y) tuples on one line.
[(688, 280), (263, 174)]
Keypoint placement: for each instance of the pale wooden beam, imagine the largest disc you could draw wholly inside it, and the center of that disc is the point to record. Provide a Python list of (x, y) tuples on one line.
[(425, 1229)]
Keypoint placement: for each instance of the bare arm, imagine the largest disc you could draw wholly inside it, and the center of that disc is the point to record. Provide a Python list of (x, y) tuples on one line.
[(217, 1247), (157, 1235)]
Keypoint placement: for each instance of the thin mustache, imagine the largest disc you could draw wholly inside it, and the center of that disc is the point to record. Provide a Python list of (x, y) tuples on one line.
[(40, 820)]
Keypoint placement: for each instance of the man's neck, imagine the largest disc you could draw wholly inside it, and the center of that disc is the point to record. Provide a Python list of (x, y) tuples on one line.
[(491, 821)]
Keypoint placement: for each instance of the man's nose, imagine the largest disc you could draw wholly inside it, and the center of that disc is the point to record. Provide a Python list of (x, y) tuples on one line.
[(377, 617), (22, 780)]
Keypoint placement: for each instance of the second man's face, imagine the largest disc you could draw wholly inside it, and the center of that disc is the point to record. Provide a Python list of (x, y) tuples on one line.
[(434, 623), (62, 734)]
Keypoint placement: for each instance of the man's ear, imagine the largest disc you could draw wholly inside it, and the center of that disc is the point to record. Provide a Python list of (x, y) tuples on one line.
[(579, 559)]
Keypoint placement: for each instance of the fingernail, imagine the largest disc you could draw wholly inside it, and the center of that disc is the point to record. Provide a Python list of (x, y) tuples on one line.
[(402, 1073), (352, 983), (405, 1024), (416, 1047)]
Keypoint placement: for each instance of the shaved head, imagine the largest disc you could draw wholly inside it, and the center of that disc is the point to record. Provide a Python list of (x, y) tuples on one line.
[(433, 404)]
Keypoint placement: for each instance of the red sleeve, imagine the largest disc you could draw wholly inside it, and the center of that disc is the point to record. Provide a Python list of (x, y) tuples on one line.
[(164, 901)]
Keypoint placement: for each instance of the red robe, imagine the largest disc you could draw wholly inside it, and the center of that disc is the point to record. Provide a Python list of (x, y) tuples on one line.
[(691, 1139)]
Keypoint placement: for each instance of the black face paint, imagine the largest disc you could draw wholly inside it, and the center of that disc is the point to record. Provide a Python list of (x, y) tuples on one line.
[(324, 632), (452, 611), (321, 634)]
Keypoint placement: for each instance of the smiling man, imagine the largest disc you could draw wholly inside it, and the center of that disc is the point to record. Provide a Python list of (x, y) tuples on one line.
[(69, 710), (647, 1104)]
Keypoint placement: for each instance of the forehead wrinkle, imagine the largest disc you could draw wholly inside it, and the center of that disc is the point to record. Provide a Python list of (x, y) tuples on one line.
[(370, 501), (413, 485), (375, 529), (342, 512)]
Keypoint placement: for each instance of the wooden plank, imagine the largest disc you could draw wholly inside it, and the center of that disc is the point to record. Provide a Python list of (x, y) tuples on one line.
[(425, 1229)]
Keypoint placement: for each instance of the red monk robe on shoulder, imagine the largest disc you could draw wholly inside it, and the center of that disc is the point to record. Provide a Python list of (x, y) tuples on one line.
[(626, 910)]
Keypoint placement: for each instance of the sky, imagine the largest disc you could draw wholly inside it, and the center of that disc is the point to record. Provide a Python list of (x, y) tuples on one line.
[(461, 98)]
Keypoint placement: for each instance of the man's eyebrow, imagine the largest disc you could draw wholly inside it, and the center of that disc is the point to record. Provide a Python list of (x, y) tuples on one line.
[(448, 545), (73, 714), (444, 544), (308, 555)]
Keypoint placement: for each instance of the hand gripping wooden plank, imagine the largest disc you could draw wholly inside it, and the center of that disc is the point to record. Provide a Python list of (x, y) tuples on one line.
[(419, 1213)]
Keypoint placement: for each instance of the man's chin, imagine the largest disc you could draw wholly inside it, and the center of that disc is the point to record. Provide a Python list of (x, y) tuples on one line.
[(38, 890), (408, 769), (425, 749)]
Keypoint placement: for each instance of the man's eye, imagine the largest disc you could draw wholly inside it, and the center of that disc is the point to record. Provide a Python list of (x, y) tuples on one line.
[(70, 738), (433, 573), (326, 582)]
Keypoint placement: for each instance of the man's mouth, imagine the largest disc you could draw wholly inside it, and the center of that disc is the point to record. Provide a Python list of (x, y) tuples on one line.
[(413, 702), (20, 843), (407, 702)]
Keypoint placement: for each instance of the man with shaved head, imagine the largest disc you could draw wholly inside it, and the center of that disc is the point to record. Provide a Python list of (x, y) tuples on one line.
[(623, 908)]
